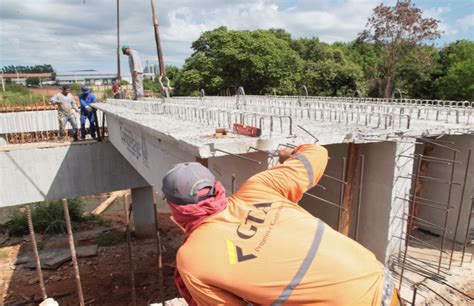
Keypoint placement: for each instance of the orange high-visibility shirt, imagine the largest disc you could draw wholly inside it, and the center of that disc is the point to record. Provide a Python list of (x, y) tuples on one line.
[(265, 249)]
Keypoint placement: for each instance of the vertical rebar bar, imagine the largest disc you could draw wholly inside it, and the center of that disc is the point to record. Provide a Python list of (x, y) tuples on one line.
[(446, 215), (158, 242), (73, 253), (233, 183), (34, 246), (460, 206), (341, 195), (127, 211), (413, 300), (410, 216), (467, 231), (359, 199)]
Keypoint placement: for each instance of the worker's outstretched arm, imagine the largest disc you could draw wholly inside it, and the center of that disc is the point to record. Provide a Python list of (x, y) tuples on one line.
[(301, 169), (83, 101), (54, 99)]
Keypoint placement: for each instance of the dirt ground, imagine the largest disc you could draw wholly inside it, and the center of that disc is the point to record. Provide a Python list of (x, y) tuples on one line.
[(105, 278)]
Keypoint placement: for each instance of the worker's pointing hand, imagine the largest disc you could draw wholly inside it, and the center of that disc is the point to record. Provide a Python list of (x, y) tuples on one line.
[(284, 154)]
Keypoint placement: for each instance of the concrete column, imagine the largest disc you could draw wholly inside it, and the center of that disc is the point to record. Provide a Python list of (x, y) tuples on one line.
[(143, 213)]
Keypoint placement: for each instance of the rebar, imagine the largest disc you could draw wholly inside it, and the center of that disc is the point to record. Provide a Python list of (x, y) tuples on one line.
[(73, 253), (239, 156), (359, 198), (418, 167), (34, 247), (158, 243), (468, 228), (447, 211), (461, 204), (127, 211)]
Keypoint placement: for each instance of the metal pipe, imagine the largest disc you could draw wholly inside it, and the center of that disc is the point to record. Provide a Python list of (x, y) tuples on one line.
[(73, 253), (119, 73), (359, 199), (158, 42), (461, 204), (34, 246), (447, 212), (127, 210)]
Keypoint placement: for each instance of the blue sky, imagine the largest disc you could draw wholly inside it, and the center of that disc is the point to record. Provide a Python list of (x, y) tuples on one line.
[(81, 34)]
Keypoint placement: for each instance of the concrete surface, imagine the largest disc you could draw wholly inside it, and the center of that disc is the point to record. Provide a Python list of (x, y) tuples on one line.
[(39, 172)]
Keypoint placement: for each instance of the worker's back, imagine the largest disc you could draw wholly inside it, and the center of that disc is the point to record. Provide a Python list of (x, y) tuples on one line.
[(264, 248)]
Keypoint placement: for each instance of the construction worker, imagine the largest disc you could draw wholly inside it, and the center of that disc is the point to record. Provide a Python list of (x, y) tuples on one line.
[(86, 98), (67, 110), (259, 246), (117, 91), (135, 70)]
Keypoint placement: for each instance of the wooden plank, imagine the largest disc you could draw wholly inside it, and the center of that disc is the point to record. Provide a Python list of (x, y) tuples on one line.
[(352, 161), (104, 205)]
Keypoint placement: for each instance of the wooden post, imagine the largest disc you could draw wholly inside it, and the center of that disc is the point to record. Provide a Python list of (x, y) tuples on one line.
[(352, 161)]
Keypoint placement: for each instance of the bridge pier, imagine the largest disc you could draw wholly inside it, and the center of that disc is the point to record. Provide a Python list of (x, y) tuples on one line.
[(143, 213)]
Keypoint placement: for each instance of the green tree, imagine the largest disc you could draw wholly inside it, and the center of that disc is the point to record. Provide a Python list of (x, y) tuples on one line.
[(417, 71), (257, 60), (397, 30), (32, 81), (457, 80)]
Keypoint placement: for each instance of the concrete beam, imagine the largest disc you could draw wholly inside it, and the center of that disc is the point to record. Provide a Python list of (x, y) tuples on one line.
[(33, 173)]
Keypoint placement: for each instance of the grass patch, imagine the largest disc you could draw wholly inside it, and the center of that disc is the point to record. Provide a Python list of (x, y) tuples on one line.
[(18, 95), (48, 218), (110, 238)]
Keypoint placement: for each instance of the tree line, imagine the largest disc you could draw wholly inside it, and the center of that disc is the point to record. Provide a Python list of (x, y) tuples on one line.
[(393, 52), (45, 68)]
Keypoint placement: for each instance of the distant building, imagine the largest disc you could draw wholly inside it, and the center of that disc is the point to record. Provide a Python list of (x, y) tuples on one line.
[(85, 76)]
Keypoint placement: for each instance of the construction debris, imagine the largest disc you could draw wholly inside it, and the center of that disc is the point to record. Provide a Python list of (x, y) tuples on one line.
[(53, 258)]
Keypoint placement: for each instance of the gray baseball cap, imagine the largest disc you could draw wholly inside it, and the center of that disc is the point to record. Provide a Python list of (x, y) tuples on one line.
[(182, 183)]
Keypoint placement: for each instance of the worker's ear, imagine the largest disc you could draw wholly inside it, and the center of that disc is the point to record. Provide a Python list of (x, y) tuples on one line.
[(175, 222)]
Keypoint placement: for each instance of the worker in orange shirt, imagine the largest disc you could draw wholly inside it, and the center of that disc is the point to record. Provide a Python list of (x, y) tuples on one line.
[(259, 246)]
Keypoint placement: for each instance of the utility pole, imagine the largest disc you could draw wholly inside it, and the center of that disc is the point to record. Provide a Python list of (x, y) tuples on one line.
[(157, 39), (119, 74)]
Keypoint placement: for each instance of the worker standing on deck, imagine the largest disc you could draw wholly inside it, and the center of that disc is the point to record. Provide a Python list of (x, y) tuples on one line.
[(135, 70), (259, 246), (67, 110), (86, 98)]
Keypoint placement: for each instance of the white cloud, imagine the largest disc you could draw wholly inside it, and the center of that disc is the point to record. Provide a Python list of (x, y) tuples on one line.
[(466, 22), (72, 35)]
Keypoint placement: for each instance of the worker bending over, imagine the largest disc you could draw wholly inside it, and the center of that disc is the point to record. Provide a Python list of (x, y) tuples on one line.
[(260, 247), (135, 70)]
